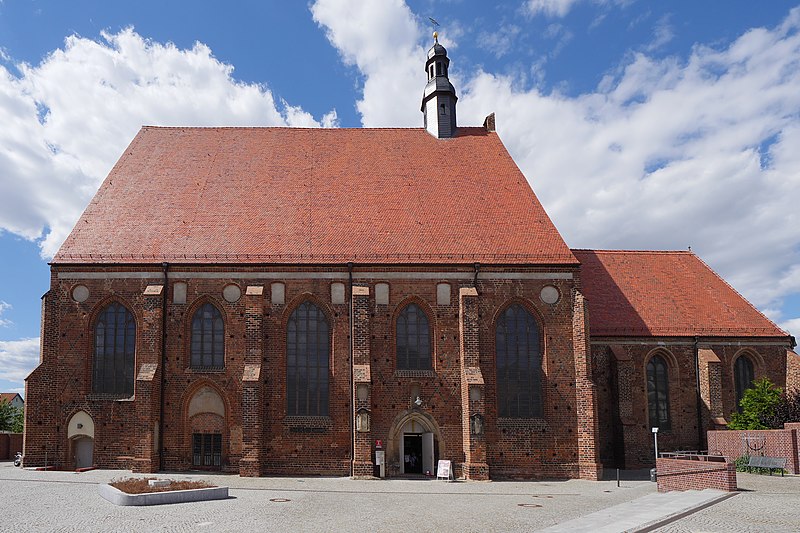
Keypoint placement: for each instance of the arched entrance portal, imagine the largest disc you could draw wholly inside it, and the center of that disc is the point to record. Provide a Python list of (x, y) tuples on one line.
[(415, 444), (80, 432)]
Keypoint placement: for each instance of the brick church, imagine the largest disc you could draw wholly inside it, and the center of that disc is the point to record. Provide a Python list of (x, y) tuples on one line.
[(288, 301)]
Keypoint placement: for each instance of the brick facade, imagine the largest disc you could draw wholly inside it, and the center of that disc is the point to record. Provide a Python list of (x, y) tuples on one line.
[(369, 400), (619, 370)]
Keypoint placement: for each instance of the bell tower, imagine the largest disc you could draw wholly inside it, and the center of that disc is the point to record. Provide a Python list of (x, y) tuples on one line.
[(439, 98)]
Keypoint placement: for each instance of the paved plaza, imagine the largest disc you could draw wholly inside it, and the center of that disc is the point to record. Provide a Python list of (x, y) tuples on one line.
[(66, 501)]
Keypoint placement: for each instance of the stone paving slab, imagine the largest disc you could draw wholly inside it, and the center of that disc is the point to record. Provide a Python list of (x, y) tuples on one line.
[(642, 514)]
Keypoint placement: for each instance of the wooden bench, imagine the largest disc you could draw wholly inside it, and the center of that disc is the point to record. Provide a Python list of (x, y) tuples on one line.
[(770, 463)]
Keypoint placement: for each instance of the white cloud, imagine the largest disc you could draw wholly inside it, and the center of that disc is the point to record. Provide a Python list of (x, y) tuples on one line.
[(550, 8), (560, 8), (662, 34), (67, 119), (381, 38), (665, 153), (4, 322), (499, 42), (18, 358), (792, 326)]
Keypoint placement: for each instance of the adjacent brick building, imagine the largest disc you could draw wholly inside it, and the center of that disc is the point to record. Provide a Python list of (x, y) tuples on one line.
[(285, 301)]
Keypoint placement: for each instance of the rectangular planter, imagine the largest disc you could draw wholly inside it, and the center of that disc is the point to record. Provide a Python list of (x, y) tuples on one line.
[(117, 497)]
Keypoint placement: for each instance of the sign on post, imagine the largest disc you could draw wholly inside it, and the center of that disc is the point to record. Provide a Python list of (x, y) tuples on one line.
[(443, 471)]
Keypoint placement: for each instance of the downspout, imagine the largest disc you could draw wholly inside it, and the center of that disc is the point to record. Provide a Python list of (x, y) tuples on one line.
[(699, 400), (165, 267), (477, 267), (350, 369)]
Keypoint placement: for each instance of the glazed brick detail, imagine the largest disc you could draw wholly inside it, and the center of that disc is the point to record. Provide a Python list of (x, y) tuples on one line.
[(684, 474), (770, 442)]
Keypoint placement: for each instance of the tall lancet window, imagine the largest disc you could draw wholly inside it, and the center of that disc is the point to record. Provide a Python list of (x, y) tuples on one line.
[(307, 361), (114, 349), (519, 364)]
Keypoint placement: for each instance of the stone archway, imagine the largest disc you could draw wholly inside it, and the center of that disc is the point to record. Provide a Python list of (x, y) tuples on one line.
[(207, 429), (80, 432), (414, 445)]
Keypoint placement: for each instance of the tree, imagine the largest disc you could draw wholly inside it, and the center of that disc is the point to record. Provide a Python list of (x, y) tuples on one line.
[(11, 418), (787, 410), (758, 406)]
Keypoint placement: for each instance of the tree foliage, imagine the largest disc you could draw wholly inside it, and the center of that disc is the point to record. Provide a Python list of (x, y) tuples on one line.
[(11, 418), (787, 410), (759, 405)]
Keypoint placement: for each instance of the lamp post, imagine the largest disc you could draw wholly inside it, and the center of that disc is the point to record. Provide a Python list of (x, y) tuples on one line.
[(653, 472)]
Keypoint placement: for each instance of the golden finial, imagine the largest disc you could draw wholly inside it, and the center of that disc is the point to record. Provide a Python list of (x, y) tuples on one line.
[(436, 36)]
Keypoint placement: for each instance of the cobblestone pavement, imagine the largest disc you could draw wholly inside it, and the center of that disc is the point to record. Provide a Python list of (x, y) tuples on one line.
[(764, 504), (66, 501)]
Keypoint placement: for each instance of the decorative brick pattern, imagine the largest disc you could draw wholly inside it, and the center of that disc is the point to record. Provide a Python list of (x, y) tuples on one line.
[(685, 474)]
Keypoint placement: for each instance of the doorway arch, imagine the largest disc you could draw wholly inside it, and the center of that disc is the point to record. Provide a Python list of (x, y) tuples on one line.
[(415, 444), (80, 432)]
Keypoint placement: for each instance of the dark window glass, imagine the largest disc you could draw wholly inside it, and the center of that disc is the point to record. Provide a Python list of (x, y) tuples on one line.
[(519, 364), (114, 349), (307, 355), (208, 338), (438, 69), (658, 393), (743, 378), (206, 449), (413, 339)]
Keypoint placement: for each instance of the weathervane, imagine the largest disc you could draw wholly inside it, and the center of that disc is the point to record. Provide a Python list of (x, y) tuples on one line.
[(434, 24)]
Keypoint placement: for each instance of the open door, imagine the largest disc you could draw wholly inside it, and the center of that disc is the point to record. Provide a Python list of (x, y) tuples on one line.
[(427, 452)]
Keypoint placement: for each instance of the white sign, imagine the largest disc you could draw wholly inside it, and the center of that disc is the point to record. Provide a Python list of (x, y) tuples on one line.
[(380, 457), (443, 470)]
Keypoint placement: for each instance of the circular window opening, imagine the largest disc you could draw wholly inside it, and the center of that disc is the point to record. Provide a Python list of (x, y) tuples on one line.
[(80, 293), (549, 295), (231, 293)]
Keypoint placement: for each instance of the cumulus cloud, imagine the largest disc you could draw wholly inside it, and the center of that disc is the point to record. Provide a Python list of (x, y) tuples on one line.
[(18, 358), (382, 39), (666, 153), (67, 119)]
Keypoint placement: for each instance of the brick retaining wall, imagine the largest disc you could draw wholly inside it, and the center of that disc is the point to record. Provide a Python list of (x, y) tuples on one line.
[(771, 442), (694, 474)]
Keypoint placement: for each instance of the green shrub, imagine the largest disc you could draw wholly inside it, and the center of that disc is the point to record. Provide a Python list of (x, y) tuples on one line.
[(758, 406)]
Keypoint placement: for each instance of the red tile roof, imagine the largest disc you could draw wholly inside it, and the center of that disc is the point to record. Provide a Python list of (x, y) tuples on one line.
[(9, 396), (285, 195), (664, 294)]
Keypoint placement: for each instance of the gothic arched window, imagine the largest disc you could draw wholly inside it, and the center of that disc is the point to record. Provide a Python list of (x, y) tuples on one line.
[(413, 339), (658, 393), (208, 338), (114, 351), (307, 361), (743, 377), (519, 364)]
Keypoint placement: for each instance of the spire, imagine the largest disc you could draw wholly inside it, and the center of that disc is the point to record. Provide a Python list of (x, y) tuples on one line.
[(439, 98)]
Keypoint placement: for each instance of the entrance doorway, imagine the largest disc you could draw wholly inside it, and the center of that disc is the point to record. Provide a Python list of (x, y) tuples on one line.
[(412, 453), (84, 451)]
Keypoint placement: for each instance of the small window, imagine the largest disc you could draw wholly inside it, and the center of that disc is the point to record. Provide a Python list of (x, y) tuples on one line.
[(114, 350), (208, 338), (658, 393), (743, 378), (430, 71), (413, 339), (519, 363), (207, 450), (438, 68), (443, 109)]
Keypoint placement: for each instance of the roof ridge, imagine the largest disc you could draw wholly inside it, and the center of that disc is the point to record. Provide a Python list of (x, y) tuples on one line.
[(658, 252), (155, 127)]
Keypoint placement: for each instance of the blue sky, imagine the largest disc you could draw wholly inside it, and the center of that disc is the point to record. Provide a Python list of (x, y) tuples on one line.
[(639, 124)]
